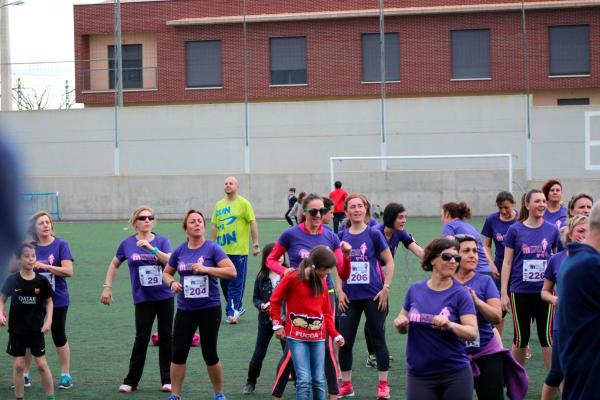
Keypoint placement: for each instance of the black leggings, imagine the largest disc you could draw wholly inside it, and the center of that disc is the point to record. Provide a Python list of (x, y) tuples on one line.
[(207, 321), (263, 338), (145, 313), (457, 385), (349, 322), (489, 385), (285, 367), (59, 326), (525, 308)]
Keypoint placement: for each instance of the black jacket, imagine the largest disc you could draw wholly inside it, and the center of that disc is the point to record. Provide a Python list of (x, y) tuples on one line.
[(263, 288)]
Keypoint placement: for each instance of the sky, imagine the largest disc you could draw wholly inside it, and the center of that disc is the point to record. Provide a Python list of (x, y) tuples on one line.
[(41, 32)]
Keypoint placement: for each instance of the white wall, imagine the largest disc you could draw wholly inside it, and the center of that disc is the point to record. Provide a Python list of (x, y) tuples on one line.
[(178, 156)]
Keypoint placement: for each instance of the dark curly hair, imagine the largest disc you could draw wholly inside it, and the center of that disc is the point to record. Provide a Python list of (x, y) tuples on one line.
[(434, 249)]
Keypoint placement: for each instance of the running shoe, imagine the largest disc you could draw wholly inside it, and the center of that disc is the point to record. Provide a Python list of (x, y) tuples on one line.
[(371, 361), (66, 381), (27, 383), (166, 388), (237, 314), (249, 388), (127, 388), (231, 319), (220, 396), (528, 353), (173, 397), (346, 390), (383, 390)]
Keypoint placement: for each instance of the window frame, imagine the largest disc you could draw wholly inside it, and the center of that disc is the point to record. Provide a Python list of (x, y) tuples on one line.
[(220, 66), (112, 71), (489, 60), (362, 59), (574, 74), (305, 83)]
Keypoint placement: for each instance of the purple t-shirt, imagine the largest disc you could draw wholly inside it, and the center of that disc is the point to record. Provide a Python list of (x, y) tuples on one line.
[(53, 254), (552, 275), (145, 272), (431, 351), (496, 229), (486, 289), (558, 218), (299, 245), (532, 250), (365, 279), (397, 237), (199, 291), (458, 227), (342, 227)]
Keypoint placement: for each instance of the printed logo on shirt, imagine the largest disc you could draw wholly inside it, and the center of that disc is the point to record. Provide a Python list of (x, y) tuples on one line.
[(539, 249), (499, 237), (423, 318), (143, 257), (51, 259), (30, 300), (360, 253), (183, 266), (303, 253), (36, 291), (223, 220), (306, 322)]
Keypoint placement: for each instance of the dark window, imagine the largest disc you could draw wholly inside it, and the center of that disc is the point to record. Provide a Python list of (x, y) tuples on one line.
[(132, 66), (288, 60), (203, 63), (569, 50), (371, 55), (471, 54), (584, 101)]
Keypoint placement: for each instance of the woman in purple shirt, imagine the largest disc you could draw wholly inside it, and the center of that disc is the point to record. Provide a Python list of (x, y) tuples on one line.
[(439, 316), (494, 229), (577, 229), (528, 245), (146, 253), (555, 212), (55, 262), (453, 218), (489, 385), (200, 263), (366, 290)]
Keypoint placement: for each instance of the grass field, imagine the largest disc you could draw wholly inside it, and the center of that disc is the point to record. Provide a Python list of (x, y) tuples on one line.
[(101, 337)]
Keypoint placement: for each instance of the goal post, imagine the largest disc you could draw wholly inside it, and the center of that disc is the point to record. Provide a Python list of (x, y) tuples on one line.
[(507, 156)]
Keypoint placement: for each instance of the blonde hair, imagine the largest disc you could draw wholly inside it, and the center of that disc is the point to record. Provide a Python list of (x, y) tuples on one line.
[(572, 224), (137, 212), (31, 226)]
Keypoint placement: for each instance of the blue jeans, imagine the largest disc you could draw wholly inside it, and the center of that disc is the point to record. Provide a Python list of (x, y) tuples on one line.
[(233, 289), (310, 368)]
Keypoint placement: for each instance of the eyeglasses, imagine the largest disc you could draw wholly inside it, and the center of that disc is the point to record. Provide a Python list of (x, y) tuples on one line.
[(145, 217), (314, 211), (449, 256)]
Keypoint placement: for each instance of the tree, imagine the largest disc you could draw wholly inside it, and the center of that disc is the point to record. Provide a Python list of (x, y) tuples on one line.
[(28, 99)]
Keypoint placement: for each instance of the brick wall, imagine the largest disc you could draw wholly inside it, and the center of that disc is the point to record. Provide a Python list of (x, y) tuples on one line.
[(334, 49)]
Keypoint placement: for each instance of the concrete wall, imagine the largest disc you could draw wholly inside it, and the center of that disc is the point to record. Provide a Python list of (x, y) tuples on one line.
[(174, 157)]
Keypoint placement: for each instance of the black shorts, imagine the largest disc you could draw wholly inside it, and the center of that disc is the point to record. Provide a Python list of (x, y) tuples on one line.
[(19, 343)]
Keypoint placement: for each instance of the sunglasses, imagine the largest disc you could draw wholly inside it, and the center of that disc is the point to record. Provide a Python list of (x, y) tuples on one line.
[(314, 211), (145, 217), (449, 256)]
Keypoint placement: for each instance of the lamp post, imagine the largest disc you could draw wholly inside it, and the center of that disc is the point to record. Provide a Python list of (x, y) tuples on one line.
[(5, 67)]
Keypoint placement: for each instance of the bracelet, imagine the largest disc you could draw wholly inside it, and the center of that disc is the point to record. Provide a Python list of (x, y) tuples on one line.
[(154, 251), (106, 285), (256, 246), (171, 283)]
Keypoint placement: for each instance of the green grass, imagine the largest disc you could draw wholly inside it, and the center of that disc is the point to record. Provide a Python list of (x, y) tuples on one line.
[(101, 337)]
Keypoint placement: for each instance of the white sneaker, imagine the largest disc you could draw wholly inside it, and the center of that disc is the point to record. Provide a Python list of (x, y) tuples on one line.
[(127, 389), (166, 388)]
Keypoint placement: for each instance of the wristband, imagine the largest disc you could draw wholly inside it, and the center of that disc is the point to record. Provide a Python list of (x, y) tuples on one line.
[(386, 285), (338, 338), (171, 283), (277, 327), (154, 251), (106, 285)]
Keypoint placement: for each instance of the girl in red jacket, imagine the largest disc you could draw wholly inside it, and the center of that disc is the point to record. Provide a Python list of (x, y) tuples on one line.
[(308, 318)]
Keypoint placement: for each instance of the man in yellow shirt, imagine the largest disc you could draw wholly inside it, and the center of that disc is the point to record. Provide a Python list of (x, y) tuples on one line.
[(233, 221)]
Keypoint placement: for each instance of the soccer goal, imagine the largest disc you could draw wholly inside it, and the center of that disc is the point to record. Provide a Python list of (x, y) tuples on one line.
[(507, 157)]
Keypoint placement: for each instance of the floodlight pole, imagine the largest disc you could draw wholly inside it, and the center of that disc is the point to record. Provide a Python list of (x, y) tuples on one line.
[(383, 150), (6, 102), (246, 108), (118, 86)]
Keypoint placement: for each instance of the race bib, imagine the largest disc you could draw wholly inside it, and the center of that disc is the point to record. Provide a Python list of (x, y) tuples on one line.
[(533, 270), (195, 287), (360, 273), (50, 278), (150, 275)]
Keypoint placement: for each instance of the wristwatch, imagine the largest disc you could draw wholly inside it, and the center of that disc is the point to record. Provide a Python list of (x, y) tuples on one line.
[(386, 285), (256, 246)]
